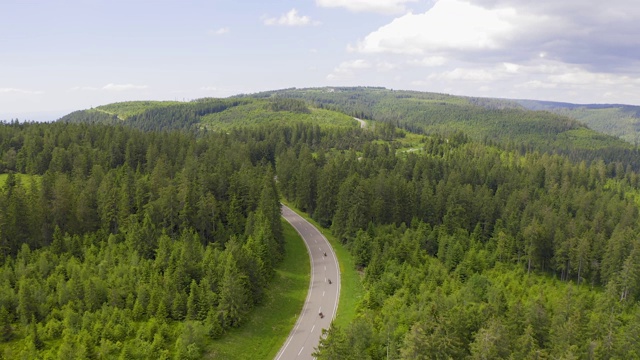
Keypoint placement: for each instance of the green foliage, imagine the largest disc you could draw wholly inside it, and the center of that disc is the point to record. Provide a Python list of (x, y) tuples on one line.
[(274, 112), (269, 324), (212, 114), (124, 110), (136, 250), (469, 251), (471, 243), (612, 119), (152, 115), (487, 120)]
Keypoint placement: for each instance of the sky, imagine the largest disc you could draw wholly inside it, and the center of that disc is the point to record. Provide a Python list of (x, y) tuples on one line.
[(57, 56)]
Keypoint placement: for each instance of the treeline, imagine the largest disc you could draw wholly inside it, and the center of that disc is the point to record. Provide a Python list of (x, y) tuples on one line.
[(180, 116), (123, 243), (120, 242), (292, 105), (489, 120), (469, 251)]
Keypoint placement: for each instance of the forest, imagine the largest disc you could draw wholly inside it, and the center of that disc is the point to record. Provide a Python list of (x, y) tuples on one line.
[(468, 251), (121, 243), (614, 119), (145, 230), (499, 121)]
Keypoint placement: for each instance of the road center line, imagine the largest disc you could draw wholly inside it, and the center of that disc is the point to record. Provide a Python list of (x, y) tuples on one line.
[(300, 352)]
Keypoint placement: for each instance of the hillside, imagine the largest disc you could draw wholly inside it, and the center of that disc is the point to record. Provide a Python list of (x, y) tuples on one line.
[(210, 114), (468, 245), (499, 121), (618, 120), (489, 120)]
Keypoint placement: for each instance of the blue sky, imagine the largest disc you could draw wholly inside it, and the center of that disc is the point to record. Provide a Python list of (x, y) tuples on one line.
[(59, 56)]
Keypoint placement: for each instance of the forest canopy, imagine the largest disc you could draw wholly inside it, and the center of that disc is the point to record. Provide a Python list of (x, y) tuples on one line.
[(481, 230)]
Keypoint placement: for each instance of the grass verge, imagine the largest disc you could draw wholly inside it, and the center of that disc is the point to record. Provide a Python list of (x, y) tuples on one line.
[(270, 323), (351, 290)]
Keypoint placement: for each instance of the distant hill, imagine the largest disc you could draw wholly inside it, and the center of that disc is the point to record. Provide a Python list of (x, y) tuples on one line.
[(618, 120), (501, 121), (209, 113), (522, 125)]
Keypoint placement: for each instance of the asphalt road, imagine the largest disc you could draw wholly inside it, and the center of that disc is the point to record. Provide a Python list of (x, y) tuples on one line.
[(322, 296)]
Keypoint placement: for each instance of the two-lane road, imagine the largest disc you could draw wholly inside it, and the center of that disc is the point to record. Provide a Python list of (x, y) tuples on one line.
[(322, 296)]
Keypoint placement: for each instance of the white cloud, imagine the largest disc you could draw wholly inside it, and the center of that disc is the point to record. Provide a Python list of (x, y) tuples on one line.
[(511, 68), (450, 25), (209, 88), (601, 35), (385, 66), (291, 19), (123, 87), (466, 75), (220, 31), (539, 79), (559, 50), (347, 69), (377, 6), (20, 91), (84, 88), (537, 84), (429, 61)]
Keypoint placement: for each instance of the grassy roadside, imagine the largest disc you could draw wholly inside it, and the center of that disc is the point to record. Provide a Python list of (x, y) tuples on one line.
[(351, 290), (270, 323)]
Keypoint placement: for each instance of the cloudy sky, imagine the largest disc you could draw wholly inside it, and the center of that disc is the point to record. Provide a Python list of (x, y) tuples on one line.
[(62, 55)]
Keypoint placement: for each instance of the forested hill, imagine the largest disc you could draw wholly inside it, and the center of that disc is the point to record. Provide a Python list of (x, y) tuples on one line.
[(134, 244), (209, 113), (493, 120), (500, 121), (122, 243), (618, 120)]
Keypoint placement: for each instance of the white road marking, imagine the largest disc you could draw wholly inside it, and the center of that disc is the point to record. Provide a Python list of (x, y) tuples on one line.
[(318, 239), (323, 293), (313, 328)]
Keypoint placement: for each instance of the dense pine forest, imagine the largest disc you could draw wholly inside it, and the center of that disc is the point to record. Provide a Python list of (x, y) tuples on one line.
[(468, 251), (504, 122), (143, 230), (116, 242), (614, 119)]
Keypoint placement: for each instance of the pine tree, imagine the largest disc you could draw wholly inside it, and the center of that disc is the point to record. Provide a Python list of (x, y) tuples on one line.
[(213, 324), (193, 301), (34, 337), (233, 294), (179, 306), (6, 330)]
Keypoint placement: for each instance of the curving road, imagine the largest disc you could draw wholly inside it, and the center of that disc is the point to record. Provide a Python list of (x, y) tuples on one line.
[(322, 296), (363, 124)]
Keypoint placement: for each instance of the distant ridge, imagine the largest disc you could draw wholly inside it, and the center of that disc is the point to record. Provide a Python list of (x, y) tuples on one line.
[(619, 120), (584, 132)]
